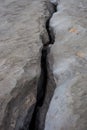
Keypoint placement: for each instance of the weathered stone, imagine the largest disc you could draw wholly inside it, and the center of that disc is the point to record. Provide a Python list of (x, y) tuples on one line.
[(68, 108), (22, 31)]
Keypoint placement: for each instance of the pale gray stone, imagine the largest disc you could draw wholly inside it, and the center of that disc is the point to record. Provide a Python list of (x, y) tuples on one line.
[(22, 30), (68, 108)]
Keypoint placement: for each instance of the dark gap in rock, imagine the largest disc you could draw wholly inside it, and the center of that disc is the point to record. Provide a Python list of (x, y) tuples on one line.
[(41, 90), (49, 30), (42, 83)]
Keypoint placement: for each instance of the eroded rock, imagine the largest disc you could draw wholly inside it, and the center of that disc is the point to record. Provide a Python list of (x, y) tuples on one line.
[(22, 34)]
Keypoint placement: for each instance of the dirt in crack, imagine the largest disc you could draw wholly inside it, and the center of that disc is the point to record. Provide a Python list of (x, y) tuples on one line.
[(41, 90)]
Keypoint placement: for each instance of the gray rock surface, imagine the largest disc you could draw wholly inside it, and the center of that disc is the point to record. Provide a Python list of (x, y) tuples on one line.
[(68, 107), (22, 30)]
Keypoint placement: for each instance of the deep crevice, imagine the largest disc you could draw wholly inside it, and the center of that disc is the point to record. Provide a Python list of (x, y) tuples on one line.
[(48, 28), (42, 83), (41, 88)]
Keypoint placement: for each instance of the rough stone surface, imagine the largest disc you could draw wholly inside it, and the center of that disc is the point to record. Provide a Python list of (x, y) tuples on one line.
[(68, 108), (22, 30)]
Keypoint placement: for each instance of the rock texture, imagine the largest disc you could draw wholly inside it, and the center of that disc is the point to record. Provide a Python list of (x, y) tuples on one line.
[(22, 31), (68, 108)]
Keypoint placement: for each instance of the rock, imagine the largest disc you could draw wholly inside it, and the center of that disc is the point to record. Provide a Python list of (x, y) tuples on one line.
[(68, 107), (22, 31)]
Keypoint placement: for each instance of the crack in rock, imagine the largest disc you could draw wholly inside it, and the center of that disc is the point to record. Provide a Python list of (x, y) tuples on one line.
[(43, 80)]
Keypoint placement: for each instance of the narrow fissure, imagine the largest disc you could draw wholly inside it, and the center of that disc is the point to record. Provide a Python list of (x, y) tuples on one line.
[(41, 88), (42, 83), (49, 30)]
